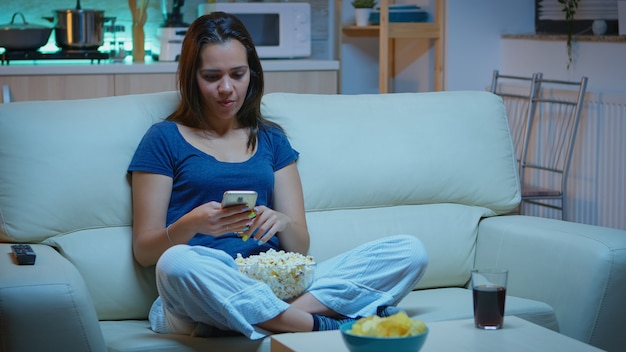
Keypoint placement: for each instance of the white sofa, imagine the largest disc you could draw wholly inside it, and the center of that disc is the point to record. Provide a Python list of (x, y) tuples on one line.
[(438, 166)]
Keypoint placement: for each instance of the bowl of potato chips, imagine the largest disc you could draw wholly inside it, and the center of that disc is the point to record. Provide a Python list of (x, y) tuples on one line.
[(397, 333)]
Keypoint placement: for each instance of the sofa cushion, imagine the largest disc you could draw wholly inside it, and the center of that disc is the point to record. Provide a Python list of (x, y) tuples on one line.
[(64, 162), (448, 232), (403, 148), (120, 288)]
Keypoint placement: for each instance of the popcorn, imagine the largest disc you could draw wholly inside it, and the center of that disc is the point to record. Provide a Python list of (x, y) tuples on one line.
[(288, 274)]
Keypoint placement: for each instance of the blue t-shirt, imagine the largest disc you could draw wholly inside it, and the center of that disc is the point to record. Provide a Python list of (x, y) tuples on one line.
[(199, 178)]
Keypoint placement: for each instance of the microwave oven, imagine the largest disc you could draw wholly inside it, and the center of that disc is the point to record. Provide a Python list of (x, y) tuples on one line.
[(278, 29)]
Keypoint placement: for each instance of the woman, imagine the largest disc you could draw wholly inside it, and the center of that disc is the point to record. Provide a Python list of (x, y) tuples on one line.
[(216, 141)]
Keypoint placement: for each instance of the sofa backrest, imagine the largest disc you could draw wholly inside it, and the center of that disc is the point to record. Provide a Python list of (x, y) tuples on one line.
[(384, 150), (64, 162)]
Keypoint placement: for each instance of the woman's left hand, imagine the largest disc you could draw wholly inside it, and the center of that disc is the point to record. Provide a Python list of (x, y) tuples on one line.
[(267, 224)]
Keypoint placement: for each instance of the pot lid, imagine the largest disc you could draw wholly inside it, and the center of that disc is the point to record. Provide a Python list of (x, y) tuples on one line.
[(23, 25), (80, 11)]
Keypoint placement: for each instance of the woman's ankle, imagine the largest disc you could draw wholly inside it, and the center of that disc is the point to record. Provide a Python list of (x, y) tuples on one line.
[(323, 323)]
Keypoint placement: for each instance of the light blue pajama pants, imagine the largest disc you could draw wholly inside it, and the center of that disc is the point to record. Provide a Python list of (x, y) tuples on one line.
[(202, 285)]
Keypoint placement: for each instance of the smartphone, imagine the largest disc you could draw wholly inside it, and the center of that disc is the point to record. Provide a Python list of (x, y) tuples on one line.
[(232, 198)]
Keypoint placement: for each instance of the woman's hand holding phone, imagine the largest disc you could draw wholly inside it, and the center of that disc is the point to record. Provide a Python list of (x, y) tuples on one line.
[(232, 198), (267, 223), (238, 198)]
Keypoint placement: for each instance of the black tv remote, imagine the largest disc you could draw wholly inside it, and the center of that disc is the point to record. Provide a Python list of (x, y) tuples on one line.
[(24, 254)]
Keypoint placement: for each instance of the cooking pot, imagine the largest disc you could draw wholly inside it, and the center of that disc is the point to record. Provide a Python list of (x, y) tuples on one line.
[(23, 37), (79, 29)]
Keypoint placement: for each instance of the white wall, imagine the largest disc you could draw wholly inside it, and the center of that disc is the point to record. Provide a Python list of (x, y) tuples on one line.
[(359, 59), (475, 49), (604, 63), (473, 31)]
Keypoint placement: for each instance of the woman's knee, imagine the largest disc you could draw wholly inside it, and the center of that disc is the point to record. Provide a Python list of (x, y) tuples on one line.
[(182, 259), (173, 260), (415, 251)]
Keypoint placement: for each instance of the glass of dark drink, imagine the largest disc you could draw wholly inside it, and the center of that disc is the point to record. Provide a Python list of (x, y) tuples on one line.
[(489, 291)]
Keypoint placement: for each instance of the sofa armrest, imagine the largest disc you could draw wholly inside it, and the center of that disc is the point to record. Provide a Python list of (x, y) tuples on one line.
[(580, 270), (46, 306)]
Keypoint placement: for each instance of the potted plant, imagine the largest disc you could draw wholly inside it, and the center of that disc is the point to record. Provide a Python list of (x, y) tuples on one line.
[(363, 4), (569, 8), (362, 11)]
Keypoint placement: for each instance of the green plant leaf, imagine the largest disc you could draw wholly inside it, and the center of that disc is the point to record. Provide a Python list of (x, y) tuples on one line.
[(363, 4)]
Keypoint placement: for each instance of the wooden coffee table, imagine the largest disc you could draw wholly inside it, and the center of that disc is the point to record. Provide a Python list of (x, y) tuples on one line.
[(455, 335)]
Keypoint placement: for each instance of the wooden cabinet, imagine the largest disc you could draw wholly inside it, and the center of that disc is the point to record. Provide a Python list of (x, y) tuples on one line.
[(387, 32), (56, 87), (53, 87), (322, 82), (144, 83), (314, 82), (80, 86)]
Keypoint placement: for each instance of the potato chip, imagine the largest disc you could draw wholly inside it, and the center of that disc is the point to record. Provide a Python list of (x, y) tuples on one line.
[(397, 325)]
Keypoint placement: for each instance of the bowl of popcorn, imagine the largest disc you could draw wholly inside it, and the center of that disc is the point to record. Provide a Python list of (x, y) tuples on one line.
[(288, 274), (397, 333)]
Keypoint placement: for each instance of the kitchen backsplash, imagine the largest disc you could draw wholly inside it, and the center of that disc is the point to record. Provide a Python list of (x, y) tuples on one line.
[(35, 11)]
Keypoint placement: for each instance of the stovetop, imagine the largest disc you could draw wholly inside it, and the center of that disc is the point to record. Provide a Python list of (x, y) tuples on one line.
[(9, 56)]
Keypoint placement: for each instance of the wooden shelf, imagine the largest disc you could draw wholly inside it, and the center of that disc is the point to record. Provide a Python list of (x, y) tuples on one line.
[(387, 32), (361, 31), (396, 30)]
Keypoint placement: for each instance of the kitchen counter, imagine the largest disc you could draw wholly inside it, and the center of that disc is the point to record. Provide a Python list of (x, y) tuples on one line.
[(105, 67), (79, 79), (563, 37)]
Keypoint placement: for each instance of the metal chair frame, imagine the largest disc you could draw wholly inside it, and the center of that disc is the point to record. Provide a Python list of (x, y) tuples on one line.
[(516, 93), (552, 125)]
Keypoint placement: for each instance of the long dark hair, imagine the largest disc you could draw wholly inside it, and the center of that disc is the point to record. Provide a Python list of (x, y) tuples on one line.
[(215, 28)]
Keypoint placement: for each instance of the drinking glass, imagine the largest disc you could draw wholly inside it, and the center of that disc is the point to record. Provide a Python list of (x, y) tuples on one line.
[(489, 292)]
